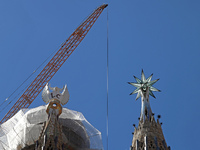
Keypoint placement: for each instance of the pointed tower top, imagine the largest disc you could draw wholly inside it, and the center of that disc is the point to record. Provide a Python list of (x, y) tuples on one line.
[(148, 134), (144, 88)]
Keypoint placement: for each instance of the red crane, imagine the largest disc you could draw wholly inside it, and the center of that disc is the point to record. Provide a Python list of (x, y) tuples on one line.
[(54, 64)]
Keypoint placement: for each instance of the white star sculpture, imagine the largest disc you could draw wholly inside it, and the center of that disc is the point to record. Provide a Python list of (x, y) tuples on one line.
[(144, 86)]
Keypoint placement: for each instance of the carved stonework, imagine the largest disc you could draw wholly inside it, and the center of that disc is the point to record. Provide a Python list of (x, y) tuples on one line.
[(54, 136), (149, 136), (51, 135)]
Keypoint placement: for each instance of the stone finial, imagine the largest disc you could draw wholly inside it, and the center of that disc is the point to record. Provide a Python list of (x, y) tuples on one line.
[(55, 93)]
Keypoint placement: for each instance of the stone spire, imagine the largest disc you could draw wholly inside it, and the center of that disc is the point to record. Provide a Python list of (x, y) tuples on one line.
[(51, 136), (148, 135)]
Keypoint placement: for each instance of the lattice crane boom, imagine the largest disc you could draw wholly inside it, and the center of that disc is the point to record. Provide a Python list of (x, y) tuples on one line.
[(54, 64)]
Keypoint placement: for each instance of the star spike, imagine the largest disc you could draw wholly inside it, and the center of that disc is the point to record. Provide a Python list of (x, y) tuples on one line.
[(149, 78), (154, 89), (143, 77), (138, 96), (137, 80), (135, 91), (152, 82), (135, 84), (151, 93)]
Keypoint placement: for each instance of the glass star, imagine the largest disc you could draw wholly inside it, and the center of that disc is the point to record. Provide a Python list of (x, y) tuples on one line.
[(143, 85)]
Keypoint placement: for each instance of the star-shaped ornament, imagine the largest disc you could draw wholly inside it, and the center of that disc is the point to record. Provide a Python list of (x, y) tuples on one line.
[(144, 86)]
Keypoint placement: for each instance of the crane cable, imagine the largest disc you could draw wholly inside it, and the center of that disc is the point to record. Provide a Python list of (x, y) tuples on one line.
[(107, 80), (25, 81)]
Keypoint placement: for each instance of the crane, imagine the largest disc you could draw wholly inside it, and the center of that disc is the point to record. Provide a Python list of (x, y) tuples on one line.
[(54, 64)]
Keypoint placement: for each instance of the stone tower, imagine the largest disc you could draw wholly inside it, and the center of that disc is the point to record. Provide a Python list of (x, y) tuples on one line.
[(50, 127), (148, 135)]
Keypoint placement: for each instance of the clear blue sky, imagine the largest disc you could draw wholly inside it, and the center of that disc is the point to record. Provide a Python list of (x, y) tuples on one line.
[(159, 36)]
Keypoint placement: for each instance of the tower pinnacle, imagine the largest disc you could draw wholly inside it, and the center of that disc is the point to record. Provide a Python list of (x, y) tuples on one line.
[(148, 135), (144, 88)]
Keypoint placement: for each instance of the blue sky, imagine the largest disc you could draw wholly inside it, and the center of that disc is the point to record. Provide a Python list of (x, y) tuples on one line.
[(159, 36)]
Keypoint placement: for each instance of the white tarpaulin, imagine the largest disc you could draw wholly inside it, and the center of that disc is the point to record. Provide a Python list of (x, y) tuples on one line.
[(25, 127)]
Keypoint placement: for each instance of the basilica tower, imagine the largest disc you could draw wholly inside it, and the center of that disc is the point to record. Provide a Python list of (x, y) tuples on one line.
[(148, 135)]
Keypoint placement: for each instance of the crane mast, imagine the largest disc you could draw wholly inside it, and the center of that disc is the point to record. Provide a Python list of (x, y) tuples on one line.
[(54, 64)]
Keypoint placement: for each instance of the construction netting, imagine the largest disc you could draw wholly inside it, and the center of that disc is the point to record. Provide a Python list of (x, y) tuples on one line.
[(25, 127)]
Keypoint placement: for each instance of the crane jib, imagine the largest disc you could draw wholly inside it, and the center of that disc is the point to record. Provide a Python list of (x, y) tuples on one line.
[(54, 64)]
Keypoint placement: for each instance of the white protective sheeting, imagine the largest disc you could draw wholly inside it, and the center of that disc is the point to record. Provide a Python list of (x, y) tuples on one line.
[(25, 127)]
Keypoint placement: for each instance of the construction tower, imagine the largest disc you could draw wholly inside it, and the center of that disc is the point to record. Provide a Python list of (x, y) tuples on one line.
[(148, 135)]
